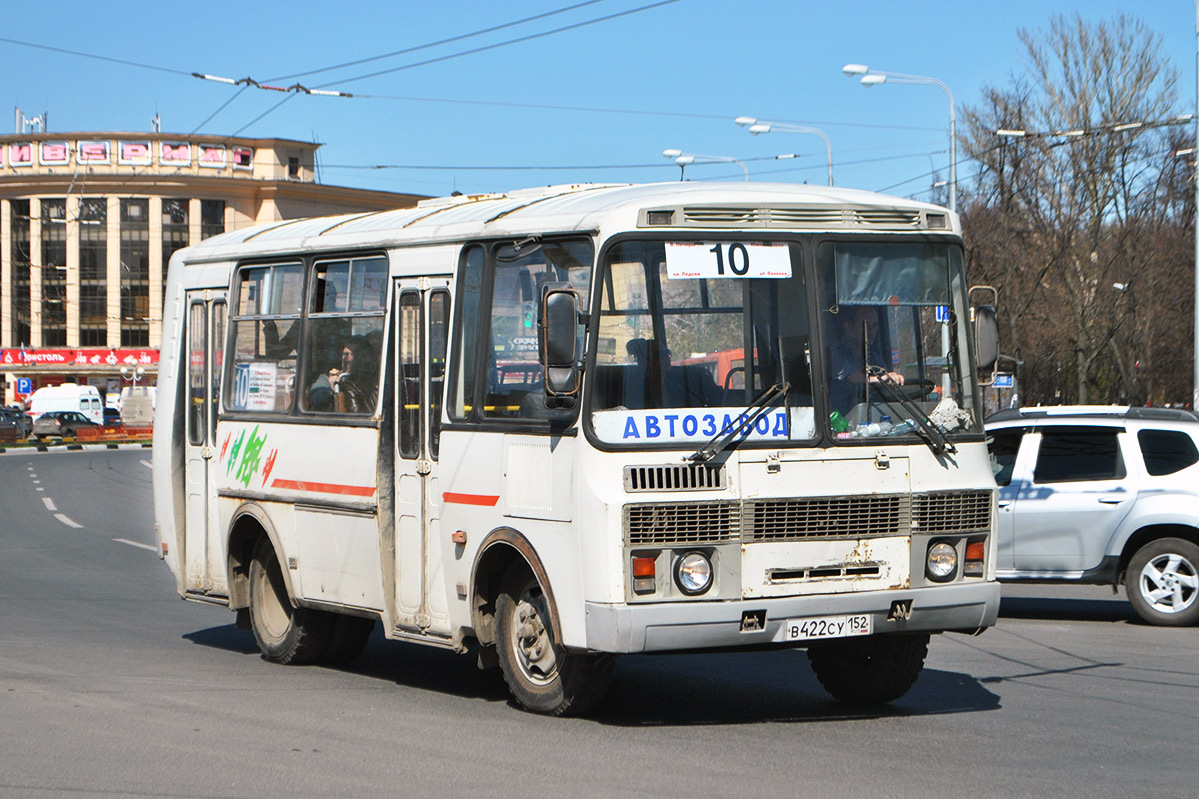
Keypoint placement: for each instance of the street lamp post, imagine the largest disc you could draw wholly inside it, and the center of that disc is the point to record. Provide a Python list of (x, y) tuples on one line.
[(758, 127), (683, 159), (872, 77), (1195, 343)]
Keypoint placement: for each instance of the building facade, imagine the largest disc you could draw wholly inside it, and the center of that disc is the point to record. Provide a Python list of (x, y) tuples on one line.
[(88, 222)]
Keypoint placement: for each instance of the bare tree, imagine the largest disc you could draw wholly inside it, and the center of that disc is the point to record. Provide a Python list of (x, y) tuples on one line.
[(1068, 218)]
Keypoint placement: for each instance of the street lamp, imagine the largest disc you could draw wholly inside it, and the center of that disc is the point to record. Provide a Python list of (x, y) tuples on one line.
[(683, 159), (133, 374), (873, 77), (758, 127)]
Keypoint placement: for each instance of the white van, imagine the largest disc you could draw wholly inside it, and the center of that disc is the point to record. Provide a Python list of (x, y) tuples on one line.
[(68, 397)]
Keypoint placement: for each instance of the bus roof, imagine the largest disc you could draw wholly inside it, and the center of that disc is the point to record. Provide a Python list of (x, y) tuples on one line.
[(585, 207)]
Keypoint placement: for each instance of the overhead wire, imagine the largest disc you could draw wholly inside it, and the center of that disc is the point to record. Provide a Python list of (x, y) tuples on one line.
[(458, 38)]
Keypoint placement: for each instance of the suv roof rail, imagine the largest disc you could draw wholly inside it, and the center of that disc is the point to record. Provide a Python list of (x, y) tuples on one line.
[(1043, 411)]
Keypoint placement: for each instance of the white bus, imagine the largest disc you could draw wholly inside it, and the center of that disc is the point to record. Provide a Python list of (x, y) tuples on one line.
[(552, 426)]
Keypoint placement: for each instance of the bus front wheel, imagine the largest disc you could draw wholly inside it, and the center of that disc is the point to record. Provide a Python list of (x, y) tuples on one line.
[(871, 670), (285, 634), (543, 676)]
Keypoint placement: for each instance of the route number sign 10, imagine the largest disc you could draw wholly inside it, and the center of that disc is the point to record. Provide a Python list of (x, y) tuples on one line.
[(727, 259)]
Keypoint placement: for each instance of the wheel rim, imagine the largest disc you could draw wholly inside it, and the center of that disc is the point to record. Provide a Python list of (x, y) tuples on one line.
[(1169, 583), (273, 611), (531, 640)]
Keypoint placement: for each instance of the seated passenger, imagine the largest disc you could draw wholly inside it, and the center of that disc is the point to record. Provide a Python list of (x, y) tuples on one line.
[(353, 388)]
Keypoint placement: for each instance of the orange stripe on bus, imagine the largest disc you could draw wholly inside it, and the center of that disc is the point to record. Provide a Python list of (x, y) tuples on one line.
[(325, 488), (469, 499)]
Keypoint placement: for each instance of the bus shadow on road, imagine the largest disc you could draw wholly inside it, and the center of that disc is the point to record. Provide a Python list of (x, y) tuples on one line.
[(658, 690), (763, 687), (1067, 609)]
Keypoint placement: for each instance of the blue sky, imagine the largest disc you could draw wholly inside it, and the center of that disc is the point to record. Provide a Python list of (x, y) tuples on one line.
[(600, 101)]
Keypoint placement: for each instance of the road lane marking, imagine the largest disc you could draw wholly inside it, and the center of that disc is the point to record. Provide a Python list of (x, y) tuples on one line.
[(147, 464), (49, 503), (67, 521), (135, 544)]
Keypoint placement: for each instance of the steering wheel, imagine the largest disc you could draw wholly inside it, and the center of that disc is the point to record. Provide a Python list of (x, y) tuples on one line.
[(916, 388)]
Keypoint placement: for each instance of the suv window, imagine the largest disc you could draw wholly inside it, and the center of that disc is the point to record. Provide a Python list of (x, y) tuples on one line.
[(1003, 446), (1167, 451), (1078, 453)]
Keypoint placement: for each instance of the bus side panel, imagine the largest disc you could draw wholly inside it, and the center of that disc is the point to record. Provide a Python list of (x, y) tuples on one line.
[(480, 495)]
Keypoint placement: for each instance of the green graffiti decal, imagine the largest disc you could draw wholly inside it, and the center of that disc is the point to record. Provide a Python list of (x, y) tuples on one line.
[(251, 458), (236, 449)]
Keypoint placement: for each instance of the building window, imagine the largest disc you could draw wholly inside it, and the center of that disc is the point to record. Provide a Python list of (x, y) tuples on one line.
[(212, 218), (174, 233), (19, 228), (293, 167), (54, 273), (93, 272), (135, 273)]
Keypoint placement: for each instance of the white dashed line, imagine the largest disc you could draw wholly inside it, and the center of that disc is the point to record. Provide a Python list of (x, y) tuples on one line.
[(68, 522), (147, 464), (49, 503), (135, 544)]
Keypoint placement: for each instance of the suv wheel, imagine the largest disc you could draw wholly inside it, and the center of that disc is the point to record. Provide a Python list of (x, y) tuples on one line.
[(1163, 582)]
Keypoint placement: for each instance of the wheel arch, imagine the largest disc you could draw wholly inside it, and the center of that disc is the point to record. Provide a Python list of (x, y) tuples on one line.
[(502, 548), (1152, 532), (250, 524)]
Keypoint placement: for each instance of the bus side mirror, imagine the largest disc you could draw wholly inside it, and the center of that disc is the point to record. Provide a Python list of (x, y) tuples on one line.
[(986, 337), (559, 344)]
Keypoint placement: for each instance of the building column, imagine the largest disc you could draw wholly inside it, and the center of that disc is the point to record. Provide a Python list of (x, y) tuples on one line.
[(6, 300), (193, 221), (112, 272), (35, 271), (74, 203), (156, 266)]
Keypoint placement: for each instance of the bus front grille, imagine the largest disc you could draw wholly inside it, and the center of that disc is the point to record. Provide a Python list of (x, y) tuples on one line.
[(673, 477), (672, 523), (806, 518), (952, 512), (826, 517)]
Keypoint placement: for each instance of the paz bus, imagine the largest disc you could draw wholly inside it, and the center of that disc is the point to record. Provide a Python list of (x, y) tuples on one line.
[(485, 424)]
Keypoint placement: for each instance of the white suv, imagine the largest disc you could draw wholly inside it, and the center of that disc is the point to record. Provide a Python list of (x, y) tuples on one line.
[(1101, 495)]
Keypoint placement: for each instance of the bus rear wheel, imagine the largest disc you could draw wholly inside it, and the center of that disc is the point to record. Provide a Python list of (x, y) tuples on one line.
[(871, 670), (543, 676), (285, 634)]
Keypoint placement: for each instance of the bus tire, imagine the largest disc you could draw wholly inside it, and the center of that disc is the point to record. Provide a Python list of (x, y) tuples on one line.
[(285, 634), (347, 638), (871, 670), (542, 676)]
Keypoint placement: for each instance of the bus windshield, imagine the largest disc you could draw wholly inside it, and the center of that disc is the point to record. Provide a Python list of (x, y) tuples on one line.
[(690, 333)]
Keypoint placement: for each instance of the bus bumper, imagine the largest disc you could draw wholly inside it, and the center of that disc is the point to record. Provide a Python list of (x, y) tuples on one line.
[(698, 625)]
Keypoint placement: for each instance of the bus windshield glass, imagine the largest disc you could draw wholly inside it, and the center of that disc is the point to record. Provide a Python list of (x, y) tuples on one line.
[(690, 333), (894, 320)]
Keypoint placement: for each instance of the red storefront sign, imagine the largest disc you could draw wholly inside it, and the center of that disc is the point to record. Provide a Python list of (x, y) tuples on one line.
[(16, 358)]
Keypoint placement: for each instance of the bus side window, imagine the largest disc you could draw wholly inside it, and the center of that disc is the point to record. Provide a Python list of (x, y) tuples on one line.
[(266, 327), (439, 323)]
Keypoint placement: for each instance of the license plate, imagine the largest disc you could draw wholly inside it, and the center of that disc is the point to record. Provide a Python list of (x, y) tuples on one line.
[(820, 627)]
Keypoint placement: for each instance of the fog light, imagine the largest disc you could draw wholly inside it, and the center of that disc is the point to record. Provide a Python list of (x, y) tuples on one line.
[(942, 562), (693, 573)]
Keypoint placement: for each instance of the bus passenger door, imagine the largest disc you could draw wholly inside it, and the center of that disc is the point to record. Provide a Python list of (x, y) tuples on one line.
[(423, 315), (205, 336)]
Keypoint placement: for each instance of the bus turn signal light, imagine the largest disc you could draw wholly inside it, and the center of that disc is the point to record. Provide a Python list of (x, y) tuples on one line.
[(976, 552), (644, 575)]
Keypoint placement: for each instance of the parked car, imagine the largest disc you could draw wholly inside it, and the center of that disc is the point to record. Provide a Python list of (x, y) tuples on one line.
[(1101, 495), (17, 420), (112, 417), (60, 424)]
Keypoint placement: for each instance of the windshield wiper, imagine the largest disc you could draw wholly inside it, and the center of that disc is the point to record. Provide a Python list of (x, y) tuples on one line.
[(745, 420), (936, 438)]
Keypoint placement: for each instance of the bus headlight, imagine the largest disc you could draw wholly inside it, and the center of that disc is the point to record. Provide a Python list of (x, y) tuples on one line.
[(693, 573), (942, 563)]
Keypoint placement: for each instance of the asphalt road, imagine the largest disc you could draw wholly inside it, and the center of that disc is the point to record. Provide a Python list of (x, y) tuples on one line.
[(111, 686)]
